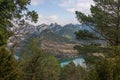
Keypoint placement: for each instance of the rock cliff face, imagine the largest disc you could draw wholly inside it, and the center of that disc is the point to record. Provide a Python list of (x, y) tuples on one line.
[(54, 38)]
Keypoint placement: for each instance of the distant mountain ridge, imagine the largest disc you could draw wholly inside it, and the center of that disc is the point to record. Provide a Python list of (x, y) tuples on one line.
[(48, 35), (67, 30), (54, 38)]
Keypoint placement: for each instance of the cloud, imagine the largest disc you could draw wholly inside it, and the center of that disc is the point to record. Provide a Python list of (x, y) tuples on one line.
[(36, 2), (68, 5), (47, 19), (68, 21), (76, 5), (54, 19)]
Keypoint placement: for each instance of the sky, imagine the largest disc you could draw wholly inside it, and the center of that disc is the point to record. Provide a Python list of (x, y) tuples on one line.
[(59, 11)]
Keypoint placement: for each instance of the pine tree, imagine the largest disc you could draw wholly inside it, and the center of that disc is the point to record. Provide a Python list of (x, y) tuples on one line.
[(11, 11), (104, 21), (8, 66), (72, 72), (37, 65)]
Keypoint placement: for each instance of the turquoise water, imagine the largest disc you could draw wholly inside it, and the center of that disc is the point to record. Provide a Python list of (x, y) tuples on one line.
[(77, 61)]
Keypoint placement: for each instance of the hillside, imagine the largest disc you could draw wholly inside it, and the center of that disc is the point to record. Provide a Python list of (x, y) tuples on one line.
[(54, 38), (69, 30), (57, 45), (60, 50), (48, 35)]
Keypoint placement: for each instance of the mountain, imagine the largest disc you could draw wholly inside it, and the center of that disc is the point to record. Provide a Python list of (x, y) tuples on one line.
[(41, 27), (56, 45), (66, 31), (48, 35), (54, 38), (54, 27), (51, 43), (23, 29), (69, 30)]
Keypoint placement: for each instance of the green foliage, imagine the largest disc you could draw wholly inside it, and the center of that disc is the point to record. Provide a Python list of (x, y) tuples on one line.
[(37, 65), (106, 69), (92, 75), (105, 19), (115, 51), (33, 16), (87, 49), (8, 66), (85, 35), (50, 68), (72, 72), (11, 11)]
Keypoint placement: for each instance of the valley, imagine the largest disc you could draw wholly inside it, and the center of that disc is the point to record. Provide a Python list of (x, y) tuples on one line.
[(54, 39), (60, 50)]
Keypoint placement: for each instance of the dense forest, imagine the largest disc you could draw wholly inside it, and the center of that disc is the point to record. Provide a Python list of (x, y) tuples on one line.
[(102, 60)]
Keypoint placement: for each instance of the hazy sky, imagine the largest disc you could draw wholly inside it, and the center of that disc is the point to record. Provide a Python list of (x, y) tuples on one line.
[(60, 11)]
